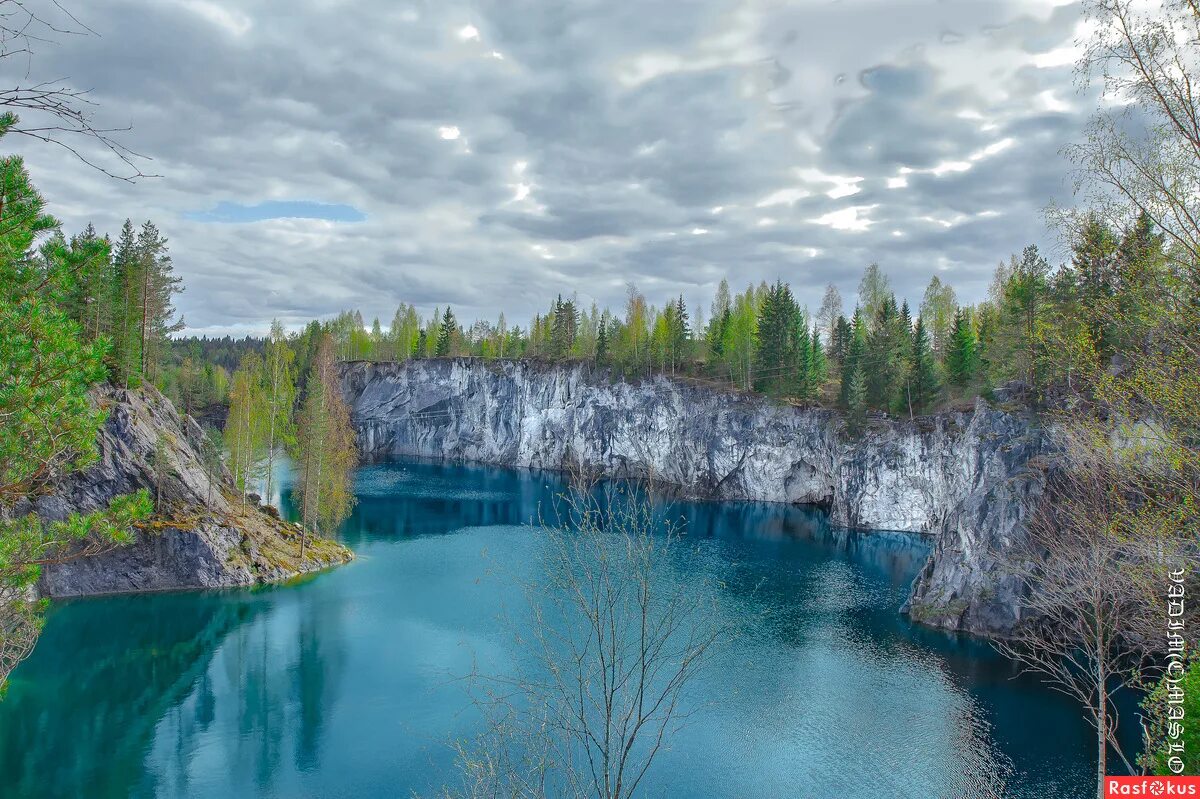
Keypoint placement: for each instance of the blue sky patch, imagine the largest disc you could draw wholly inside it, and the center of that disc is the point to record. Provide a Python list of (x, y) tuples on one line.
[(278, 209)]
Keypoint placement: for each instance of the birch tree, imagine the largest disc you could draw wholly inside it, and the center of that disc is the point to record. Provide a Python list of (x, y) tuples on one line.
[(325, 453)]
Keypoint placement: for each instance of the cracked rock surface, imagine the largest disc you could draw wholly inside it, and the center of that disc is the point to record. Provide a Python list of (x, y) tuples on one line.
[(964, 478)]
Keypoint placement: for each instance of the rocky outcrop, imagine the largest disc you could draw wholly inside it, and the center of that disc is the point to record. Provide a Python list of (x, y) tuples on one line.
[(200, 537), (965, 478)]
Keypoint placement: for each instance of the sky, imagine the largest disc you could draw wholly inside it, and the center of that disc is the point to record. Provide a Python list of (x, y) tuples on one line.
[(319, 155)]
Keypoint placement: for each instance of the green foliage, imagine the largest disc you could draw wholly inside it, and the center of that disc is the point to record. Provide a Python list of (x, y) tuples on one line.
[(1162, 729), (47, 422), (775, 349), (246, 424), (447, 335), (324, 447), (962, 355), (923, 382)]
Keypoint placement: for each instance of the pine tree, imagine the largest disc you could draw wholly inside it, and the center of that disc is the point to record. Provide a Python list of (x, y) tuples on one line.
[(158, 284), (48, 424), (887, 348), (564, 328)]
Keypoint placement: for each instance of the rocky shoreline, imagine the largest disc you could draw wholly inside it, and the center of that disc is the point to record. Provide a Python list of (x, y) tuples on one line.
[(201, 536)]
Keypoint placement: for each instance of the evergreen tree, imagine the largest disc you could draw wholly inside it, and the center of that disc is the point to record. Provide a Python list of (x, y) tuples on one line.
[(800, 384), (856, 400), (853, 366), (680, 334), (47, 423), (840, 341), (1093, 279), (775, 351), (126, 300), (962, 362), (887, 351), (158, 284), (447, 335), (818, 367), (922, 382), (564, 328), (602, 341), (1023, 318)]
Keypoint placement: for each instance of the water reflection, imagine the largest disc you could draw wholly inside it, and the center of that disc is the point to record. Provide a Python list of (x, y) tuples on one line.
[(344, 685)]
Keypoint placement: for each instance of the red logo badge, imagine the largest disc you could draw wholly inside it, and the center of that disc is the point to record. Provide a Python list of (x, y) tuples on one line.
[(1151, 786)]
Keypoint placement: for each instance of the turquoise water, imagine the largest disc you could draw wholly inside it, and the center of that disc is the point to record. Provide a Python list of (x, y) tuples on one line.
[(344, 684)]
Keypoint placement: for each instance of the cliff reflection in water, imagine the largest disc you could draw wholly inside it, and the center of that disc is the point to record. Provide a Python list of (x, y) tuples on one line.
[(345, 684)]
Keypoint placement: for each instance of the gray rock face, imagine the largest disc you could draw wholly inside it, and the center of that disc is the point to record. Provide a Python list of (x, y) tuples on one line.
[(199, 540), (963, 477)]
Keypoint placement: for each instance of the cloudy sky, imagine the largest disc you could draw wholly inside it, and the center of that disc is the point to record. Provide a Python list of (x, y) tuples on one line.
[(317, 155)]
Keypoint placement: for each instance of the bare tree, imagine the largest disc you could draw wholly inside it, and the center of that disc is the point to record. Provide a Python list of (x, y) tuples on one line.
[(52, 111), (1142, 148), (615, 642), (1095, 610)]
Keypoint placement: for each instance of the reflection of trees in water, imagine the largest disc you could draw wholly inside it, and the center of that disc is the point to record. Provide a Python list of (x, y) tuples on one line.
[(82, 711), (278, 680), (104, 712)]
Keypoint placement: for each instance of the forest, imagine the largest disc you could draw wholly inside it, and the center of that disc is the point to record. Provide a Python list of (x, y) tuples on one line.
[(1103, 349), (1040, 331)]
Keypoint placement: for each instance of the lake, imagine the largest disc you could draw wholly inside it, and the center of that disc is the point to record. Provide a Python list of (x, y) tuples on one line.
[(348, 683)]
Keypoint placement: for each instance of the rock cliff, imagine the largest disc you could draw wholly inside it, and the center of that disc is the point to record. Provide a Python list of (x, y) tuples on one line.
[(201, 536), (967, 478)]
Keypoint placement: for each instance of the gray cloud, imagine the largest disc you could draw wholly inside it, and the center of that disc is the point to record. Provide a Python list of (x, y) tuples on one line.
[(504, 152)]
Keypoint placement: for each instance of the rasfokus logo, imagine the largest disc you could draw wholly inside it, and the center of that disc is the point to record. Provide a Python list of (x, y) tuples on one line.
[(1151, 786)]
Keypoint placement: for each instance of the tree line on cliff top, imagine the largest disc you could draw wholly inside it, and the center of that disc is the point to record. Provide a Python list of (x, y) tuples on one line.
[(1107, 343)]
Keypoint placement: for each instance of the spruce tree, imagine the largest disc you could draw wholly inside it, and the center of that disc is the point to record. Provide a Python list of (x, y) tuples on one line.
[(447, 334), (126, 300), (818, 367), (602, 340), (853, 365), (775, 351), (922, 383), (962, 358), (856, 400)]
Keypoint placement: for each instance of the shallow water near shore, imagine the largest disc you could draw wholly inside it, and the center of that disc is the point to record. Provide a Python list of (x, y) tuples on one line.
[(345, 685)]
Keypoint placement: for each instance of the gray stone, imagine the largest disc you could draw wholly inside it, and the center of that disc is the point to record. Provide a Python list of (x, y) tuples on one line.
[(965, 478), (199, 539)]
